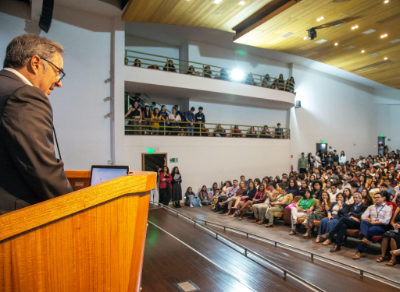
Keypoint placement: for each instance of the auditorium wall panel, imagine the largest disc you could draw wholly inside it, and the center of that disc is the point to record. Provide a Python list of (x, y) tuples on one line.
[(338, 111), (203, 161), (78, 107)]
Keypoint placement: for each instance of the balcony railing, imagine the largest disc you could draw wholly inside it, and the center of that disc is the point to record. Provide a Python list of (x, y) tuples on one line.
[(205, 70), (158, 127)]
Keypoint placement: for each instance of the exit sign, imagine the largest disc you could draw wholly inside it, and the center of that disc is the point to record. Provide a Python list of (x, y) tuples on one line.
[(323, 141), (150, 150)]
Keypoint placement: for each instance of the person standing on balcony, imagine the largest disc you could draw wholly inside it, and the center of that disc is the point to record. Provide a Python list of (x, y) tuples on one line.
[(207, 72), (136, 114), (278, 131), (164, 118), (169, 66), (199, 118), (190, 119)]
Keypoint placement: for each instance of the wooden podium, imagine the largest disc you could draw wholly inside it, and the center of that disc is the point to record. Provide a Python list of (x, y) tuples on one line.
[(89, 240)]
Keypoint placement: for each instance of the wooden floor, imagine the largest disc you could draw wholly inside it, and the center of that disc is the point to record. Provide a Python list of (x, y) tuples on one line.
[(167, 261), (176, 251)]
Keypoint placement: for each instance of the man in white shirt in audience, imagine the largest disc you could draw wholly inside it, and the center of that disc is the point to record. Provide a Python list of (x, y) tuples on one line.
[(374, 221), (334, 191)]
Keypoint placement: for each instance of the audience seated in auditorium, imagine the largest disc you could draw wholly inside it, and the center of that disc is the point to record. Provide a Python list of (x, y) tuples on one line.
[(251, 133), (203, 195), (192, 200), (154, 67), (278, 131), (232, 200), (225, 195), (265, 133), (350, 219), (244, 201), (281, 82), (218, 131), (250, 80), (277, 205), (317, 214), (261, 209), (391, 241), (266, 81), (300, 210)]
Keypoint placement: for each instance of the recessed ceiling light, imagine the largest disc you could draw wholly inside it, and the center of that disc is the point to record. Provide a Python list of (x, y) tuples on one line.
[(384, 35), (386, 1), (373, 55), (336, 44), (354, 27), (369, 31), (217, 1), (385, 58), (242, 2), (362, 51), (319, 19), (305, 38), (288, 35), (350, 48), (321, 41), (394, 41)]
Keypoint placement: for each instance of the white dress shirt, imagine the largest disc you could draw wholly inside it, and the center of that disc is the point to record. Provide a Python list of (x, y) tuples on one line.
[(382, 214), (22, 77)]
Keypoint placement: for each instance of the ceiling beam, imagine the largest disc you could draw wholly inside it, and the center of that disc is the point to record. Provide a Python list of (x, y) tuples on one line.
[(266, 13)]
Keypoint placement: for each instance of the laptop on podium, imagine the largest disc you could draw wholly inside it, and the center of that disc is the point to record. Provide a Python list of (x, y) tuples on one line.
[(102, 173)]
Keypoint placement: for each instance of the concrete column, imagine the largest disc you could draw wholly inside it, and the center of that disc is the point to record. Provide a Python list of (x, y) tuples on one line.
[(117, 92)]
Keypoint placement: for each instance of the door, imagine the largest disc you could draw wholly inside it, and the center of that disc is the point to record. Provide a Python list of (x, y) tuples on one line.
[(154, 161), (322, 148), (381, 145)]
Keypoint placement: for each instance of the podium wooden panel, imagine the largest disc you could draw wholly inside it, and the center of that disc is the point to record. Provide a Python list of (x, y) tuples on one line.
[(88, 240)]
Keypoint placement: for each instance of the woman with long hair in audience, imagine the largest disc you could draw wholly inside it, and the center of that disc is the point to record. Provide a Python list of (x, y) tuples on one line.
[(216, 193), (348, 199), (137, 63), (207, 72), (218, 131), (174, 119), (146, 116), (291, 84), (301, 209), (366, 198), (164, 119), (251, 133), (156, 117), (293, 188), (203, 195), (176, 187), (258, 198), (333, 215), (261, 209), (278, 205), (165, 185), (318, 214), (190, 197), (342, 158)]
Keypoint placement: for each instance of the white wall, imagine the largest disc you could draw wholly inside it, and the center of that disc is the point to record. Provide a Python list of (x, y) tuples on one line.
[(388, 124), (339, 111), (78, 107), (231, 114), (222, 57), (203, 161), (143, 45)]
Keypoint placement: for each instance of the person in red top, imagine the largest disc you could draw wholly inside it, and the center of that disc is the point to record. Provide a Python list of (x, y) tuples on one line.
[(236, 132), (165, 186)]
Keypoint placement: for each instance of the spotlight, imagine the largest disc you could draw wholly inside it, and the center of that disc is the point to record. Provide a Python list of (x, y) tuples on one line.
[(237, 74), (305, 38), (312, 33), (362, 51), (336, 44), (385, 58)]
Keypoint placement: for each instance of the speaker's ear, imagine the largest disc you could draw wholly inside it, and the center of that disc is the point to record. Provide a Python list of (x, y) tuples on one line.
[(47, 15)]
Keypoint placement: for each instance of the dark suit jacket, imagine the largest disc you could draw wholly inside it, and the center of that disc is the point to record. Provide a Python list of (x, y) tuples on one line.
[(29, 170), (349, 210)]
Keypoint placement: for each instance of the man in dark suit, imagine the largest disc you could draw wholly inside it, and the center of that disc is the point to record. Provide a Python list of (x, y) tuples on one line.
[(29, 170), (350, 220)]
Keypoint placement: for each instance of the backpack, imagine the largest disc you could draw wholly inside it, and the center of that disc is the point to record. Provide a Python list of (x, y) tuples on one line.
[(196, 201)]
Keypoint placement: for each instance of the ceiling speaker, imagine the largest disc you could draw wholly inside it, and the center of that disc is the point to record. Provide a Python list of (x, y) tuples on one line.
[(47, 15)]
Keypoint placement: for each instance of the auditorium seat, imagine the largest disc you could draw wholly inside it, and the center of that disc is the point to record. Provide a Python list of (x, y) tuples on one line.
[(286, 212)]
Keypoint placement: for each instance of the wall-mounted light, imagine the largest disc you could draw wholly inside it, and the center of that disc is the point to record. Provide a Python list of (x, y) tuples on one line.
[(237, 75)]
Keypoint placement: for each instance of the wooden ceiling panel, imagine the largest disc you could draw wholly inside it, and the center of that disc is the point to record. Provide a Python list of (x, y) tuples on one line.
[(367, 14)]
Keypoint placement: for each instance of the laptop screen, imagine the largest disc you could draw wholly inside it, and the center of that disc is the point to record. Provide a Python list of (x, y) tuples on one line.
[(102, 173)]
